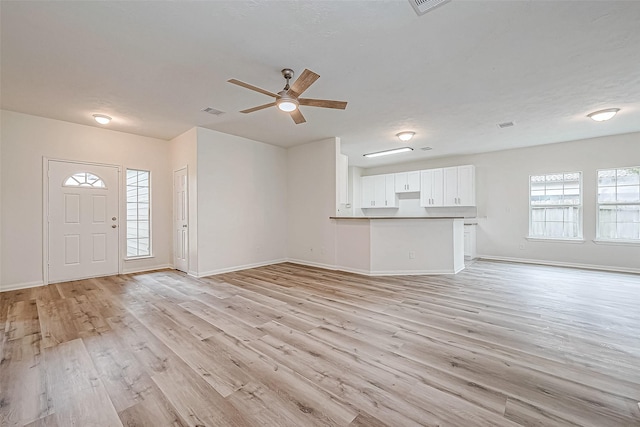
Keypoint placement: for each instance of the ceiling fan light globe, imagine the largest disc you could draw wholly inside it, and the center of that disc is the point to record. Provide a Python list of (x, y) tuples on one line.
[(287, 106)]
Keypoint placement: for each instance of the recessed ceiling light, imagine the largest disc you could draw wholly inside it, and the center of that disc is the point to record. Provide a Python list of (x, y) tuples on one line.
[(387, 152), (602, 115), (405, 136), (102, 119)]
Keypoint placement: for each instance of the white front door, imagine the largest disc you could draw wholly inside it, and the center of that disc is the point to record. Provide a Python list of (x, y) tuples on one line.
[(180, 220), (82, 220)]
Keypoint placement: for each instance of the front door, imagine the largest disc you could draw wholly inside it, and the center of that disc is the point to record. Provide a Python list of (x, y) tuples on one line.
[(180, 220), (82, 220)]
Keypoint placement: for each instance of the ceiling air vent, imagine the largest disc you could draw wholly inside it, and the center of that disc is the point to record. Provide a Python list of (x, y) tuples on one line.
[(505, 125), (212, 111), (423, 6)]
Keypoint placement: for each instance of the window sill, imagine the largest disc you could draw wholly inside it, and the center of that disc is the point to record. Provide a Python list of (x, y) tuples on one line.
[(617, 242), (558, 240), (136, 258)]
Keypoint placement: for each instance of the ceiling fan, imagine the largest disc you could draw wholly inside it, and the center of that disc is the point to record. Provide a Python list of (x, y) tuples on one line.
[(288, 99)]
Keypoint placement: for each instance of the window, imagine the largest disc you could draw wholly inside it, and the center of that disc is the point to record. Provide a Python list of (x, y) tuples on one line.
[(84, 179), (138, 215), (555, 206), (619, 204)]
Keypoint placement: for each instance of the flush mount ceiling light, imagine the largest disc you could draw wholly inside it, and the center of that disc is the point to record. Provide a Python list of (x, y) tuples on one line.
[(102, 119), (602, 115), (286, 102), (405, 136), (387, 152)]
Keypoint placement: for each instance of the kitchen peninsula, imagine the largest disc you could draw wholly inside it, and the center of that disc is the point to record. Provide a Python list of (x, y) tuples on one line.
[(381, 246)]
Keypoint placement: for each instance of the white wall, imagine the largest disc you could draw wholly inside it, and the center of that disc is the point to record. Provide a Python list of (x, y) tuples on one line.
[(242, 203), (437, 246), (25, 141), (502, 180), (312, 200), (184, 153)]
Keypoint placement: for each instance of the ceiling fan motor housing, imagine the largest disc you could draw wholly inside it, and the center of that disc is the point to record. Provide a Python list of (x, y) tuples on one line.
[(287, 73)]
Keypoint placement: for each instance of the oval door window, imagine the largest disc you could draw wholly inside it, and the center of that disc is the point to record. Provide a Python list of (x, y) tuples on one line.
[(84, 179)]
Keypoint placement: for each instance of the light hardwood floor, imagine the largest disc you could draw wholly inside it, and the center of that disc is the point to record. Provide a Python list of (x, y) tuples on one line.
[(285, 345)]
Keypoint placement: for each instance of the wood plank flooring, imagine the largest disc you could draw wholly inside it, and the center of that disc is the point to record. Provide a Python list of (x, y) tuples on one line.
[(498, 344)]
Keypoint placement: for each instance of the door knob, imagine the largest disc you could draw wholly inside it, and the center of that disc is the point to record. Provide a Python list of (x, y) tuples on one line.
[(113, 226), (113, 218), (184, 225)]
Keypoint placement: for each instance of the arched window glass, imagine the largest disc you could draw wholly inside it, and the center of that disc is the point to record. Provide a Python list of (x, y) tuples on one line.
[(84, 179)]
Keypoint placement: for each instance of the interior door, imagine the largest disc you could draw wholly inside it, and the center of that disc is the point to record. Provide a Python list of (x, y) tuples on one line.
[(181, 220), (83, 221)]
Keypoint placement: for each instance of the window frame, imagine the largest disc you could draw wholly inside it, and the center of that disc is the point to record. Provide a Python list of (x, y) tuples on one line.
[(580, 237), (616, 240), (150, 216)]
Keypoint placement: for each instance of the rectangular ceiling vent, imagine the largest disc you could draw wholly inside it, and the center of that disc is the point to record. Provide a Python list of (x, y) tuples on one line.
[(423, 6), (505, 125), (212, 111)]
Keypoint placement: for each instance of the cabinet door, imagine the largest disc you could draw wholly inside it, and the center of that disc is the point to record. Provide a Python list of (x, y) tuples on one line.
[(437, 189), (431, 191), (466, 186), (451, 186), (425, 188), (368, 192), (401, 182), (379, 189), (413, 181), (390, 191)]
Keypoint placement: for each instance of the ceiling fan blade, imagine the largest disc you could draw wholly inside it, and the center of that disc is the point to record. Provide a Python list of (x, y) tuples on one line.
[(324, 103), (259, 107), (303, 82), (297, 116), (252, 87)]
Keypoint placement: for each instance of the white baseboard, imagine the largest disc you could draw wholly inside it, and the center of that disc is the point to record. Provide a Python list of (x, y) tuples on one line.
[(374, 273), (561, 264), (412, 272), (351, 270), (18, 286), (148, 268), (313, 264), (239, 267)]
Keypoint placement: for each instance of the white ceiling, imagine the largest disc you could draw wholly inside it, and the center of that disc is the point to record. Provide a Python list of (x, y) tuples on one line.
[(451, 75)]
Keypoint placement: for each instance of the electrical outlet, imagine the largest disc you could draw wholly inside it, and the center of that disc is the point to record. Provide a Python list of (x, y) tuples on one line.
[(412, 255)]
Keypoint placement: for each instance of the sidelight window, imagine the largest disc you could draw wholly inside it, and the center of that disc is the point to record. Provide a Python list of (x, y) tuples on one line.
[(138, 213)]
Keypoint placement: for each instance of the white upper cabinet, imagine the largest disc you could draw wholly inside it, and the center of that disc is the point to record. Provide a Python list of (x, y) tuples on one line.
[(431, 192), (459, 186), (407, 182), (467, 185), (448, 187), (378, 191)]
